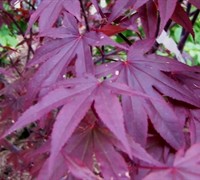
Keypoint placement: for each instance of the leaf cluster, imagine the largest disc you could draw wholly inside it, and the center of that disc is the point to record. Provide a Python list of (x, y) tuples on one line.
[(95, 100)]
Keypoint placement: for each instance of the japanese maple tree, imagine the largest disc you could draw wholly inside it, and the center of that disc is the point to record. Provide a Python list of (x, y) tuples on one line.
[(102, 94)]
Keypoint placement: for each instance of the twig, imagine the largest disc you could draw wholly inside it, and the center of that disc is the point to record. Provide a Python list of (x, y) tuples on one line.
[(85, 16), (30, 5), (105, 56), (188, 12), (125, 39), (184, 38), (20, 30), (13, 65)]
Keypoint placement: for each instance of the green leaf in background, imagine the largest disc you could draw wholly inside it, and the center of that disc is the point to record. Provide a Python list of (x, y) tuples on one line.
[(7, 38), (192, 47), (175, 33)]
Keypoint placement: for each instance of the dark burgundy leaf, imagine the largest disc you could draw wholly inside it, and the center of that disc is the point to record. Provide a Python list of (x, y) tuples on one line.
[(114, 121), (180, 17), (49, 11), (166, 9), (195, 3), (67, 120), (124, 4), (79, 171), (186, 166), (92, 145), (90, 106), (110, 29), (148, 14), (60, 169), (60, 53), (141, 73)]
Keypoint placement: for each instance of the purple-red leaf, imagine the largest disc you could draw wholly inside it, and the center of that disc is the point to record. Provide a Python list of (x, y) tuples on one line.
[(103, 107), (195, 3), (116, 11), (166, 9), (49, 11), (60, 169), (79, 170), (181, 17), (148, 14), (93, 145), (57, 54), (46, 104), (186, 166), (67, 120), (109, 110), (106, 155), (141, 73), (124, 5)]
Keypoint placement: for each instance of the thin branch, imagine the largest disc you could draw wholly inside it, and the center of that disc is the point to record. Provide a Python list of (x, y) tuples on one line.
[(29, 47), (85, 16), (105, 56), (184, 38), (20, 30), (125, 39), (188, 12), (30, 5), (13, 65)]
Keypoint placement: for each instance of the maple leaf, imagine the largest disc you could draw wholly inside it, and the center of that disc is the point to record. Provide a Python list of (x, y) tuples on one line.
[(104, 118), (191, 79), (49, 11), (110, 29), (91, 146), (141, 73), (66, 168), (60, 169), (180, 17), (58, 53), (124, 5), (77, 96), (194, 126), (95, 149), (94, 145), (80, 171), (130, 23), (148, 12), (166, 9), (53, 9), (195, 3), (186, 166)]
